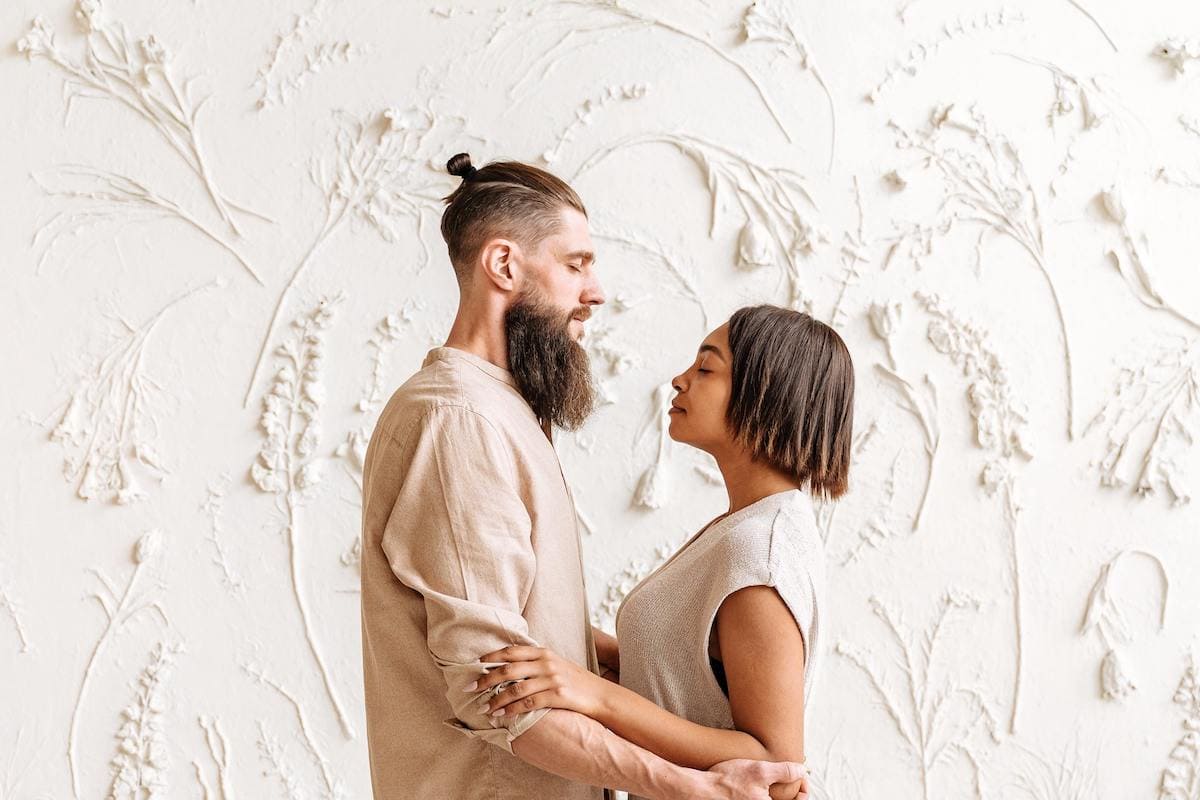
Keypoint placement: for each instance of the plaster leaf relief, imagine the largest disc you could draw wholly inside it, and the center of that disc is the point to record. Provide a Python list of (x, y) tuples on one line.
[(952, 32), (1181, 54), (770, 21), (1151, 422), (1068, 776), (379, 177), (99, 196), (572, 24), (824, 511), (855, 250), (999, 429), (390, 330), (922, 403), (1133, 267), (142, 763), (1106, 617), (287, 464), (654, 486), (884, 525), (623, 581), (294, 58), (119, 612), (139, 75), (774, 204), (218, 751), (677, 265), (586, 113), (986, 184), (332, 788), (938, 715), (108, 428), (1181, 777), (213, 508), (272, 752)]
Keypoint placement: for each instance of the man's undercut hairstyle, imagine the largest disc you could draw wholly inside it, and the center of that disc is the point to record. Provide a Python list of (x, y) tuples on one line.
[(503, 198), (792, 396)]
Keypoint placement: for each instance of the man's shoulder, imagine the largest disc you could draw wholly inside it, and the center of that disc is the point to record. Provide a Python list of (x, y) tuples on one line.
[(445, 389)]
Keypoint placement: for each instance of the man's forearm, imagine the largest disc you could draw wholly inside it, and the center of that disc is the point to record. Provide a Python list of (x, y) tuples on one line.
[(578, 748), (607, 651)]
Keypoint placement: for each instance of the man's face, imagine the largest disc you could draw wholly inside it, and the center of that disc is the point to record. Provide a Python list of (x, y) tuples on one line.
[(561, 271)]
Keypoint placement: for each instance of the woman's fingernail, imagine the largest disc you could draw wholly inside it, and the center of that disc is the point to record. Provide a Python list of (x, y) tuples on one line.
[(471, 687), (498, 712)]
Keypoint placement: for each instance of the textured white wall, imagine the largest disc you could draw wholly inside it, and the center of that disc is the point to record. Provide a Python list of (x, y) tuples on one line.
[(208, 203)]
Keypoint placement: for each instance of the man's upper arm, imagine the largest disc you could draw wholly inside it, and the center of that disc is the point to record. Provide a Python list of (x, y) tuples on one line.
[(459, 534)]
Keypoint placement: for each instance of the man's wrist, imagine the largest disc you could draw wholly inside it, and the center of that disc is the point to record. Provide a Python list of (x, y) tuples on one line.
[(683, 782)]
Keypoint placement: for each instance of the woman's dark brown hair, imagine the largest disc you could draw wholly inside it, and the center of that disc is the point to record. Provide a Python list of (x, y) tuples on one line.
[(502, 198), (792, 399)]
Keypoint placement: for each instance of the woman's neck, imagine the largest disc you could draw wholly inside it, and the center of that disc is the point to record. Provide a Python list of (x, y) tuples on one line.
[(748, 481)]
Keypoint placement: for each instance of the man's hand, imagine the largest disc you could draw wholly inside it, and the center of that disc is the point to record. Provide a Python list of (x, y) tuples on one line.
[(747, 779)]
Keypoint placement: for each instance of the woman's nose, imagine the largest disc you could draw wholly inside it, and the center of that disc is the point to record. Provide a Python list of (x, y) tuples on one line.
[(677, 383)]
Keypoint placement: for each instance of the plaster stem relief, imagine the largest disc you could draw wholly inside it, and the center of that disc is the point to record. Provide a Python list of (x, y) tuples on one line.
[(586, 112), (332, 786), (921, 52), (937, 717), (290, 63), (287, 465), (218, 750), (12, 607), (214, 506), (624, 19), (922, 403), (118, 612), (654, 487)]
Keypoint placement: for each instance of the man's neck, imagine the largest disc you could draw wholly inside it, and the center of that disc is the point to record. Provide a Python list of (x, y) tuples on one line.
[(479, 334)]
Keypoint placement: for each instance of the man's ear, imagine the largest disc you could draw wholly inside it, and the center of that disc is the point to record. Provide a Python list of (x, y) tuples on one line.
[(498, 257)]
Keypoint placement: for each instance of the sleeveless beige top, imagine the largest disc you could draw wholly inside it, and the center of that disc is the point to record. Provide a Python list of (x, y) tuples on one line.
[(663, 624)]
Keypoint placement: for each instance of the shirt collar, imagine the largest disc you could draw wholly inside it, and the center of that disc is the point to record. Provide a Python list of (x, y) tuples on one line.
[(452, 353)]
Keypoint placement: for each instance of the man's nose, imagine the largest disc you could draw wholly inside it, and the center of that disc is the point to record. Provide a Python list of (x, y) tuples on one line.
[(592, 295)]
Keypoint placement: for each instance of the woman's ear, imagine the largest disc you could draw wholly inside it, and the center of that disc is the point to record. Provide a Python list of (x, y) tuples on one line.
[(498, 262)]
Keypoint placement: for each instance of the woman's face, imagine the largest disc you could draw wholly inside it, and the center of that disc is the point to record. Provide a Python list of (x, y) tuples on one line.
[(702, 394)]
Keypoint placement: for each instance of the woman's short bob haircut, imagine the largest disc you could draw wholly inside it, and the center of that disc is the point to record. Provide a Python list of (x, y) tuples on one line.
[(792, 399)]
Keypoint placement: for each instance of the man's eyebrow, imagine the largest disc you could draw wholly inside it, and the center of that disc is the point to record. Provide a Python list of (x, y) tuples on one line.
[(583, 255), (712, 348)]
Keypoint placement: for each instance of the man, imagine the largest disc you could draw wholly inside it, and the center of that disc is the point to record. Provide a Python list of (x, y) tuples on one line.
[(470, 536)]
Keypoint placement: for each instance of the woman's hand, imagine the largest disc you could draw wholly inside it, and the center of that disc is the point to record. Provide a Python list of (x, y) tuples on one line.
[(543, 680)]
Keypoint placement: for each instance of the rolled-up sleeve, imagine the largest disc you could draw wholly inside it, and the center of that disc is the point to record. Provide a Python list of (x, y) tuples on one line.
[(459, 534)]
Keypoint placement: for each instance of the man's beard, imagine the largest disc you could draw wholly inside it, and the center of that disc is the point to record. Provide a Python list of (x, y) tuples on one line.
[(550, 368)]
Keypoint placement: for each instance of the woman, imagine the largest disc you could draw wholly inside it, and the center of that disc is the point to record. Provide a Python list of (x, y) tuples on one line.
[(716, 650)]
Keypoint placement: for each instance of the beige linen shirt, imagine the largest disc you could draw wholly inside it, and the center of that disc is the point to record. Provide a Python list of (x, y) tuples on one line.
[(470, 543)]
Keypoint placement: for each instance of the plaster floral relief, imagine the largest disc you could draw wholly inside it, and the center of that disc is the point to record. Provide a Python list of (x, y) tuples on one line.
[(1000, 429), (287, 465), (1106, 617)]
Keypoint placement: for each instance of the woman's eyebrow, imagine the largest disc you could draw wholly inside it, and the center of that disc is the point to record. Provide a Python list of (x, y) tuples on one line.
[(711, 348)]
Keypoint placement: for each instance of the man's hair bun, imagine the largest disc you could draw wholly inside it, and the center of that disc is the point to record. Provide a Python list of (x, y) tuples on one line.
[(460, 165)]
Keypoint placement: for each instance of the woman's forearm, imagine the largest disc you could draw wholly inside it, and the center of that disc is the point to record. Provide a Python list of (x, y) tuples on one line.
[(680, 741)]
